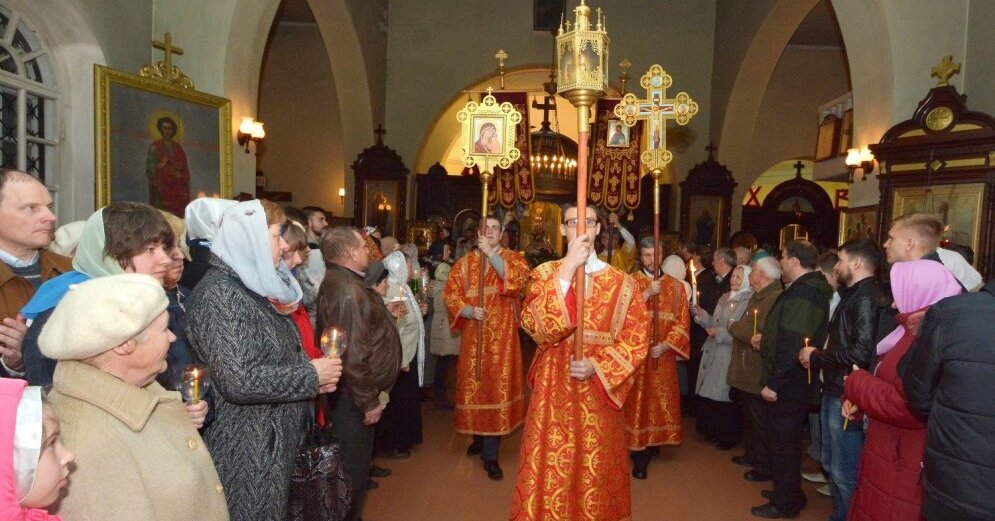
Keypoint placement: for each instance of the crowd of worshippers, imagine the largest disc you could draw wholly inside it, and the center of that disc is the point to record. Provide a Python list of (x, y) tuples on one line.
[(883, 356)]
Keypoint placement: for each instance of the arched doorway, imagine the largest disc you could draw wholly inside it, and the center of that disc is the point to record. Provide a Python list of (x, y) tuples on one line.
[(796, 208)]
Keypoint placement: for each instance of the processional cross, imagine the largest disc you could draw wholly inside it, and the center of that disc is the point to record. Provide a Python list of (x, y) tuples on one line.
[(656, 109)]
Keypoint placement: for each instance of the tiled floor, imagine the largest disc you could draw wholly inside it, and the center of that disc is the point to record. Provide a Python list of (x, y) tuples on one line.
[(692, 482)]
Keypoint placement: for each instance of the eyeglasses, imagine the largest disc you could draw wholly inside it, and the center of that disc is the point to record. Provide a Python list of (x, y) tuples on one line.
[(572, 223)]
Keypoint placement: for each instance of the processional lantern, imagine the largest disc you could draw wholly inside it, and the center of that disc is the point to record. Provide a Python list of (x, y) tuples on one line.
[(582, 69)]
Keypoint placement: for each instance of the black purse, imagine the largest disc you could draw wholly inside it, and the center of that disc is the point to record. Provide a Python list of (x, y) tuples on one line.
[(320, 489)]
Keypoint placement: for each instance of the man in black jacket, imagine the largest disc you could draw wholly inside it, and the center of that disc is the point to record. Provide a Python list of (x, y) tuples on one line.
[(852, 341), (949, 376), (799, 317)]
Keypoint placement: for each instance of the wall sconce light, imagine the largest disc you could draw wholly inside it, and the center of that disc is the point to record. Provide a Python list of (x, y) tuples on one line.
[(248, 131), (342, 195), (860, 158)]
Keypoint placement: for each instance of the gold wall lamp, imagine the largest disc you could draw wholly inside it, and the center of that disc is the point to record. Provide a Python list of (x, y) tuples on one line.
[(860, 158), (248, 131)]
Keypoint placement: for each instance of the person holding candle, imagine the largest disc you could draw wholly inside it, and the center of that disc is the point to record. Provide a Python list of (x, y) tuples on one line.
[(801, 311), (707, 286), (746, 372), (853, 333), (239, 324), (110, 336), (653, 411), (889, 483), (402, 417), (575, 415), (718, 417), (373, 360), (490, 389)]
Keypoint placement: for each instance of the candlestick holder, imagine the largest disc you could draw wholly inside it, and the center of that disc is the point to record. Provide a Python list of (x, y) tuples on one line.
[(333, 342), (196, 382)]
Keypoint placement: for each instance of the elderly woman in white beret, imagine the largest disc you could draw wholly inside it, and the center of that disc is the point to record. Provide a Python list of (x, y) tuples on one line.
[(138, 455)]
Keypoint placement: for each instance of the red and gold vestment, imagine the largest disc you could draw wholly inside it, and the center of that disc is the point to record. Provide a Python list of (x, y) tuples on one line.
[(574, 462), (493, 404), (653, 411)]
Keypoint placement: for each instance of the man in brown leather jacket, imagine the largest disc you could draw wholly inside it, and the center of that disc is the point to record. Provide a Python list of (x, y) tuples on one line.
[(371, 361), (27, 225)]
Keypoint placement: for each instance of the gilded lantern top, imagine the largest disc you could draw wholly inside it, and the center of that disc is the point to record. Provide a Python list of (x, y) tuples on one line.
[(582, 53)]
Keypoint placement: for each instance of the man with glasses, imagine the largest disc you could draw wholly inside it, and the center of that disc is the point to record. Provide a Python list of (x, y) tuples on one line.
[(574, 455), (490, 399)]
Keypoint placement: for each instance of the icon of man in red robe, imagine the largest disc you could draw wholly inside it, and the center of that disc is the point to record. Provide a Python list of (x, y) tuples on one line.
[(167, 170)]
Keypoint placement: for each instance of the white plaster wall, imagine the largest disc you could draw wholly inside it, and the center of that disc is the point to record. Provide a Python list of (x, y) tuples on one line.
[(787, 123), (299, 105)]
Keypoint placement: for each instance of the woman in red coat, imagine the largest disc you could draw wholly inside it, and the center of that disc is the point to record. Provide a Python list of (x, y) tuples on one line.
[(888, 484)]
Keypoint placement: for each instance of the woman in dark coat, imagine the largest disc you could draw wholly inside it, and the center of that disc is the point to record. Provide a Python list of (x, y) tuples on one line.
[(239, 324), (888, 483)]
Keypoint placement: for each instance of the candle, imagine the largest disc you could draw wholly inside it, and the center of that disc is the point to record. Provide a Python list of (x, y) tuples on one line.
[(196, 387), (846, 421), (332, 342), (694, 285), (809, 368), (754, 321)]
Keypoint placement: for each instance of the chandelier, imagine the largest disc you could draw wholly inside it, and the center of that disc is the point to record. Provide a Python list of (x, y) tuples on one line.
[(553, 156)]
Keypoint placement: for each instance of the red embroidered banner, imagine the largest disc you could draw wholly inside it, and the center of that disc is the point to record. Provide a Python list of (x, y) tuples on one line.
[(615, 173), (516, 183)]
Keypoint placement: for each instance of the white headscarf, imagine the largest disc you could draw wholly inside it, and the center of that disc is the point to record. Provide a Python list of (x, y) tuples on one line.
[(674, 266), (66, 238), (203, 216), (90, 258), (744, 291), (242, 242), (397, 274), (27, 440)]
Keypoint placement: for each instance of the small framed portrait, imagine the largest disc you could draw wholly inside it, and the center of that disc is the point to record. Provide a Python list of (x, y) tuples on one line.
[(487, 136), (617, 134), (827, 142)]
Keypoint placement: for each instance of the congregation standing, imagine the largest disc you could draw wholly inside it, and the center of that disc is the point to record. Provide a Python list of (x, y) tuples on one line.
[(767, 349)]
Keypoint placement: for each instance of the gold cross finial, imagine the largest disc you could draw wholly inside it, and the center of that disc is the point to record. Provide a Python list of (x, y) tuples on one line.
[(168, 48), (490, 90), (945, 70), (501, 57)]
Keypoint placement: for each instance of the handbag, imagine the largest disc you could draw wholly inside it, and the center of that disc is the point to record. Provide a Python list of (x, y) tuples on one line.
[(320, 489)]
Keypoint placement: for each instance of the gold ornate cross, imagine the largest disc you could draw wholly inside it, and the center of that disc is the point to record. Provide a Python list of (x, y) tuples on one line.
[(168, 48), (945, 70), (656, 109)]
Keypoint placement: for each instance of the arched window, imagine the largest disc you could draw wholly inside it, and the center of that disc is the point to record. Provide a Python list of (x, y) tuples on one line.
[(28, 96)]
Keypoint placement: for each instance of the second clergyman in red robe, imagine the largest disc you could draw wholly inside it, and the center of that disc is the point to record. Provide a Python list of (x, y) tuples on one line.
[(653, 411), (493, 404)]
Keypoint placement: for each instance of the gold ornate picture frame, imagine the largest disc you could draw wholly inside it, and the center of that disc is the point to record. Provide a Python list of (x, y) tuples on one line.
[(489, 133), (159, 143), (958, 206)]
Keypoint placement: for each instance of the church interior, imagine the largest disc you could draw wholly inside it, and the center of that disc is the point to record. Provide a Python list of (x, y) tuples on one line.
[(356, 106)]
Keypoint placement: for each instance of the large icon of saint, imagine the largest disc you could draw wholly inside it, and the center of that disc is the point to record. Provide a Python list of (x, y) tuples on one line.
[(167, 170)]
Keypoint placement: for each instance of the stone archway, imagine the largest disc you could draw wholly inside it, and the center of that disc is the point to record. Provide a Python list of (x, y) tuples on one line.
[(861, 24)]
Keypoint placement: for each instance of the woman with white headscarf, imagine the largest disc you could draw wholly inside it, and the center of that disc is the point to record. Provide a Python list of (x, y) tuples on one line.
[(719, 419), (674, 266), (402, 417), (239, 324), (202, 217)]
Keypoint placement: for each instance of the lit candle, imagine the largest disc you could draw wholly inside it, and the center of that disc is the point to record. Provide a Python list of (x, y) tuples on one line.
[(809, 368), (754, 321), (694, 285), (846, 421), (196, 387)]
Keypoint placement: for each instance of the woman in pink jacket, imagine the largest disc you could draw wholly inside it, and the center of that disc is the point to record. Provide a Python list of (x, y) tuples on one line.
[(888, 483)]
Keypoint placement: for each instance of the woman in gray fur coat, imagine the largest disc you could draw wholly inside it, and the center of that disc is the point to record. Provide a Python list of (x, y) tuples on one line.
[(239, 324)]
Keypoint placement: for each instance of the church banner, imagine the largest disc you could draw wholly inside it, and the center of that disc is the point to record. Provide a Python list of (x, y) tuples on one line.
[(615, 174), (515, 183)]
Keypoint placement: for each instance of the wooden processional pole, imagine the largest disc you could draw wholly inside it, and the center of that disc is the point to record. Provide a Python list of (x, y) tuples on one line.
[(485, 179), (580, 277)]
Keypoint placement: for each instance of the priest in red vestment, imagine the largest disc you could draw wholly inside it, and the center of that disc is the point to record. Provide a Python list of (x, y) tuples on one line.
[(574, 453), (492, 404), (653, 411)]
